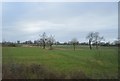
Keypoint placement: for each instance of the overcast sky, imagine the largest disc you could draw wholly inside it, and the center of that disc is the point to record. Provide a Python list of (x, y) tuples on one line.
[(66, 20)]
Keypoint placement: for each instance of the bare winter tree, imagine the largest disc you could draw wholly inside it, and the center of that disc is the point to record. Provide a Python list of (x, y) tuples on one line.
[(43, 39), (90, 37), (51, 41), (18, 41), (97, 39), (74, 41)]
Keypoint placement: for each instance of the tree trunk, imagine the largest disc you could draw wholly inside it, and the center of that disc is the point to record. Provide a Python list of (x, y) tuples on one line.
[(90, 44), (43, 46)]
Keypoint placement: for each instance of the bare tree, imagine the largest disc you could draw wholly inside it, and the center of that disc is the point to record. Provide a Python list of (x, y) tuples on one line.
[(74, 41), (51, 41), (90, 37), (18, 41), (97, 39), (43, 39)]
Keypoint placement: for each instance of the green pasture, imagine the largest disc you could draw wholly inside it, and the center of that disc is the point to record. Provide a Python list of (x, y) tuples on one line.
[(96, 64)]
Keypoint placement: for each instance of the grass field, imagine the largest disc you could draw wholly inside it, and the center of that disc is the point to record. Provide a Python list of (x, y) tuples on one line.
[(95, 64)]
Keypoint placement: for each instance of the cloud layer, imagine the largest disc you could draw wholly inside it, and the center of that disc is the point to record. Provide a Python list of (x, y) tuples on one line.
[(25, 21)]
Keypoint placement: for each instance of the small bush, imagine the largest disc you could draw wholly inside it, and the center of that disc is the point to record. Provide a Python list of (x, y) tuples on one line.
[(35, 71)]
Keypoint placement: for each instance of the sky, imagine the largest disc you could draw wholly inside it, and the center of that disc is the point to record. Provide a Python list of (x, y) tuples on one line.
[(65, 20)]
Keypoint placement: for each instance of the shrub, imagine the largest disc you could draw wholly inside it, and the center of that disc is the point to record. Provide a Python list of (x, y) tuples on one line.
[(35, 71)]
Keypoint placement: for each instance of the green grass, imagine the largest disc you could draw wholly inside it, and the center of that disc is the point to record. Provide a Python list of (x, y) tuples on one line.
[(101, 63)]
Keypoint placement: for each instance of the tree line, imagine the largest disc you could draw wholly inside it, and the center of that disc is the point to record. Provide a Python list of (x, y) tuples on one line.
[(94, 39)]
